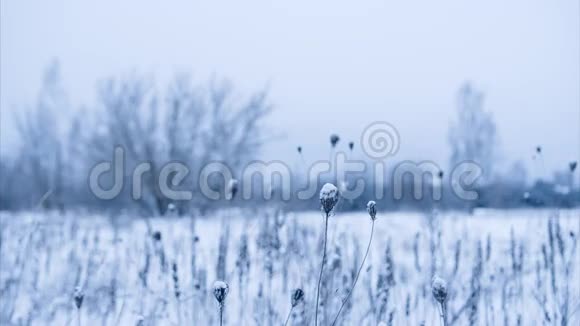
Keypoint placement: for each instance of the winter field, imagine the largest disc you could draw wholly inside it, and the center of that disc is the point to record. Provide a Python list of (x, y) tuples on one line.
[(502, 268)]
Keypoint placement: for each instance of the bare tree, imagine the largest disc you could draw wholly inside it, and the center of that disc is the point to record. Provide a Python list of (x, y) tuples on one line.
[(41, 157), (473, 136), (194, 124)]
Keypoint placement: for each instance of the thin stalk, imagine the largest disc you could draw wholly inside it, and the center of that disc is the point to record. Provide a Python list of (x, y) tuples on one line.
[(443, 313), (321, 269), (440, 314), (221, 315), (357, 274), (117, 322), (288, 318), (178, 313)]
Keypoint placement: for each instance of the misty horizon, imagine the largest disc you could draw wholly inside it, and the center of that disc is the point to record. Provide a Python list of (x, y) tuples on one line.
[(326, 78)]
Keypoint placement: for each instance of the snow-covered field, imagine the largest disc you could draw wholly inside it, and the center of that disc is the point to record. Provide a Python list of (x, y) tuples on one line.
[(502, 268)]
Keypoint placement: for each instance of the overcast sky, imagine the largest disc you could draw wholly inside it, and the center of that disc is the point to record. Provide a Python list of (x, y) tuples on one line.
[(332, 66)]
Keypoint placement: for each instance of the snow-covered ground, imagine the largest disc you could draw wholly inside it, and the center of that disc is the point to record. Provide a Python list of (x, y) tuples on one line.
[(501, 267)]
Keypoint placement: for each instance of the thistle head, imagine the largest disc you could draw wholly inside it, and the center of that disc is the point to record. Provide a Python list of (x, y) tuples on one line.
[(351, 145), (140, 320), (220, 291), (78, 297), (328, 197), (572, 166), (297, 297), (334, 140), (232, 189), (439, 289), (372, 209)]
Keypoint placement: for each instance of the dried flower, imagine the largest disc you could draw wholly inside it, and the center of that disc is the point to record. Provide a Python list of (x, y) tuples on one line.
[(334, 140), (328, 197), (299, 149), (78, 296), (573, 166), (140, 320), (439, 288), (220, 291), (351, 145), (297, 297), (372, 209), (232, 189)]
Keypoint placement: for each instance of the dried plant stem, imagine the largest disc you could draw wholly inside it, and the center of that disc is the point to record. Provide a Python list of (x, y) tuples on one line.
[(288, 318), (221, 315), (357, 274), (321, 269), (442, 313), (117, 322), (178, 313)]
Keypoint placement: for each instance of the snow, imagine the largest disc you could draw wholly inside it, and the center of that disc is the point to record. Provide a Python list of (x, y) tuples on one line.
[(46, 256), (439, 288), (328, 197), (329, 192)]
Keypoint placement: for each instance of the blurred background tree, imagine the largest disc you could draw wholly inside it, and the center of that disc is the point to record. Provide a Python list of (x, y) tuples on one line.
[(472, 136)]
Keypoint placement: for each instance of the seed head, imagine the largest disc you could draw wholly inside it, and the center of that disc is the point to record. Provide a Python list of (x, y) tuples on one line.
[(220, 291), (140, 320), (299, 149), (573, 166), (539, 149), (328, 197), (334, 140), (232, 189), (372, 209), (297, 297), (439, 288), (351, 145), (157, 236), (78, 296)]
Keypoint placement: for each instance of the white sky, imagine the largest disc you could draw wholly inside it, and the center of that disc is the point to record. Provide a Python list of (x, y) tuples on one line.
[(332, 66)]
